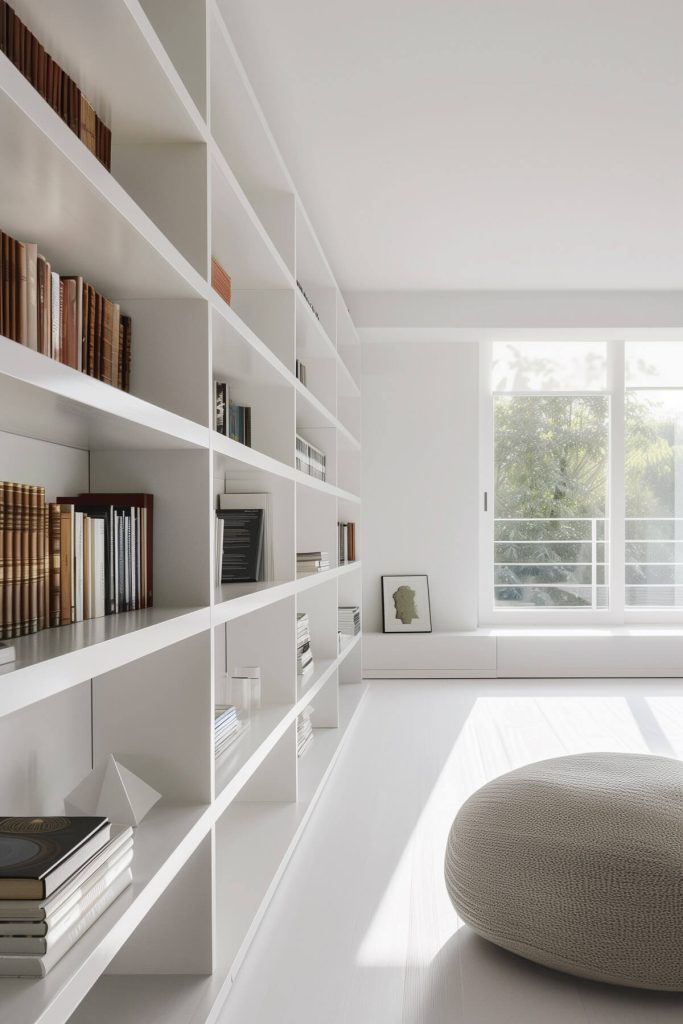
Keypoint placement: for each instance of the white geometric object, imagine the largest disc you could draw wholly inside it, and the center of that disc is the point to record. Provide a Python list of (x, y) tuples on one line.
[(114, 792)]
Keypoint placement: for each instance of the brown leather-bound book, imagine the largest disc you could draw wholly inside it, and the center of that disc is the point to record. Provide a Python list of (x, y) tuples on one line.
[(6, 286), (99, 314), (31, 295), (2, 525), (92, 327), (49, 77), (127, 353), (40, 575), (25, 559), (122, 354), (8, 559), (46, 566), (66, 532), (21, 294), (33, 557), (2, 273), (57, 75), (87, 126), (74, 321), (8, 15), (75, 112), (115, 343), (3, 41), (17, 41), (16, 559), (107, 341), (85, 314), (55, 547)]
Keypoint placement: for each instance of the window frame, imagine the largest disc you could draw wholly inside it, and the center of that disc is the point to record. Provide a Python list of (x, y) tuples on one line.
[(617, 614)]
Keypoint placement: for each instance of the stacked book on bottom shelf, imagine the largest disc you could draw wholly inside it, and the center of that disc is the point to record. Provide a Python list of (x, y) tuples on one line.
[(304, 654), (308, 563), (227, 727), (57, 877), (304, 732)]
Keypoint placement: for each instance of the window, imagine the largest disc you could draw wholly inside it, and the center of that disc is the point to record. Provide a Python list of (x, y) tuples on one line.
[(583, 473)]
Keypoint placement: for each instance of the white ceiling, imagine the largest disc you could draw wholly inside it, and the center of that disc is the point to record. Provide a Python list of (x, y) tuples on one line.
[(467, 144)]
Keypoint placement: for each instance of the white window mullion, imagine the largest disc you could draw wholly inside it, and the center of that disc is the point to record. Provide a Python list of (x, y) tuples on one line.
[(486, 485), (616, 515)]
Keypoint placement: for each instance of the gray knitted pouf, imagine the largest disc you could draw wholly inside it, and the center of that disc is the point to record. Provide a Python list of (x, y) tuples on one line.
[(577, 864)]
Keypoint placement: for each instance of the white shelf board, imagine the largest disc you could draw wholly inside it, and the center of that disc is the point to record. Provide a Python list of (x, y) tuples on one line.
[(94, 43), (239, 355), (239, 762), (142, 999), (348, 647), (164, 841), (55, 659), (319, 578), (254, 844), (312, 340), (44, 399), (316, 764), (236, 116), (56, 193), (313, 684), (347, 387), (311, 413), (232, 600), (240, 242), (238, 456)]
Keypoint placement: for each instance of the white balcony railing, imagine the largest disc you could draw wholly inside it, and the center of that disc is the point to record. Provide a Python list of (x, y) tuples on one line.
[(564, 562)]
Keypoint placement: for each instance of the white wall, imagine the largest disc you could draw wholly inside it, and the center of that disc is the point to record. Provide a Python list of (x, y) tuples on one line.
[(420, 469)]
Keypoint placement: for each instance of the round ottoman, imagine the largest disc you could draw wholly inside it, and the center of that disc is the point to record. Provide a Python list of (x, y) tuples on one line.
[(577, 863)]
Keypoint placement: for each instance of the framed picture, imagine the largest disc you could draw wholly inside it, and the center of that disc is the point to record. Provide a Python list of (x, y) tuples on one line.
[(405, 604)]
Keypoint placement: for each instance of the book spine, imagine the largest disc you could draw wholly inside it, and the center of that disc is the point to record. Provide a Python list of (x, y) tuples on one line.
[(2, 540), (23, 560), (55, 316), (32, 295), (34, 563), (65, 564), (78, 567), (22, 294), (55, 547), (8, 545)]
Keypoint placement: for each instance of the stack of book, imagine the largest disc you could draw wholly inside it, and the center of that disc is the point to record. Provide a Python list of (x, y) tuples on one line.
[(347, 542), (73, 559), (349, 620), (57, 877), (227, 727), (310, 459), (62, 317), (220, 280), (301, 372), (304, 654), (53, 84), (230, 419), (304, 732), (308, 563)]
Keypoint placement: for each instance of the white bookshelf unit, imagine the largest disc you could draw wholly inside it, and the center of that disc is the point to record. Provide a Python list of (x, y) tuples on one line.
[(195, 174)]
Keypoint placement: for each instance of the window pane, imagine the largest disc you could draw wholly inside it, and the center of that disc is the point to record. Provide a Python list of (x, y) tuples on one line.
[(654, 364), (550, 542), (549, 366), (654, 498)]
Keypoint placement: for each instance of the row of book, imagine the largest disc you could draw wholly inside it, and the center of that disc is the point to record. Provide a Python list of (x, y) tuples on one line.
[(62, 317), (77, 558), (310, 459), (300, 369), (304, 654), (347, 542), (348, 620), (226, 726), (304, 731), (57, 877), (308, 563), (308, 301), (220, 280), (57, 88), (230, 419)]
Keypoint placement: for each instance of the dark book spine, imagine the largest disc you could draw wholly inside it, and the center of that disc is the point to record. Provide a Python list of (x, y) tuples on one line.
[(25, 559), (8, 548), (2, 544), (33, 559), (16, 559)]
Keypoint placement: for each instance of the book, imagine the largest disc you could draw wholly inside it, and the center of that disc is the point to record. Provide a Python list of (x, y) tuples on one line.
[(242, 552), (243, 500), (38, 854), (220, 280), (35, 966), (28, 936), (77, 886)]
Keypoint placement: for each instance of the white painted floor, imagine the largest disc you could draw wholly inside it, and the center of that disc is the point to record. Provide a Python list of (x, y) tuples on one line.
[(361, 930)]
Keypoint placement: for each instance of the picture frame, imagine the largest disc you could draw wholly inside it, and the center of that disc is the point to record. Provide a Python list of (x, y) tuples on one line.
[(405, 604)]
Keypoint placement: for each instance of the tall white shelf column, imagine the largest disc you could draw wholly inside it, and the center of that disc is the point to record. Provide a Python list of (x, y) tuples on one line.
[(195, 173)]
